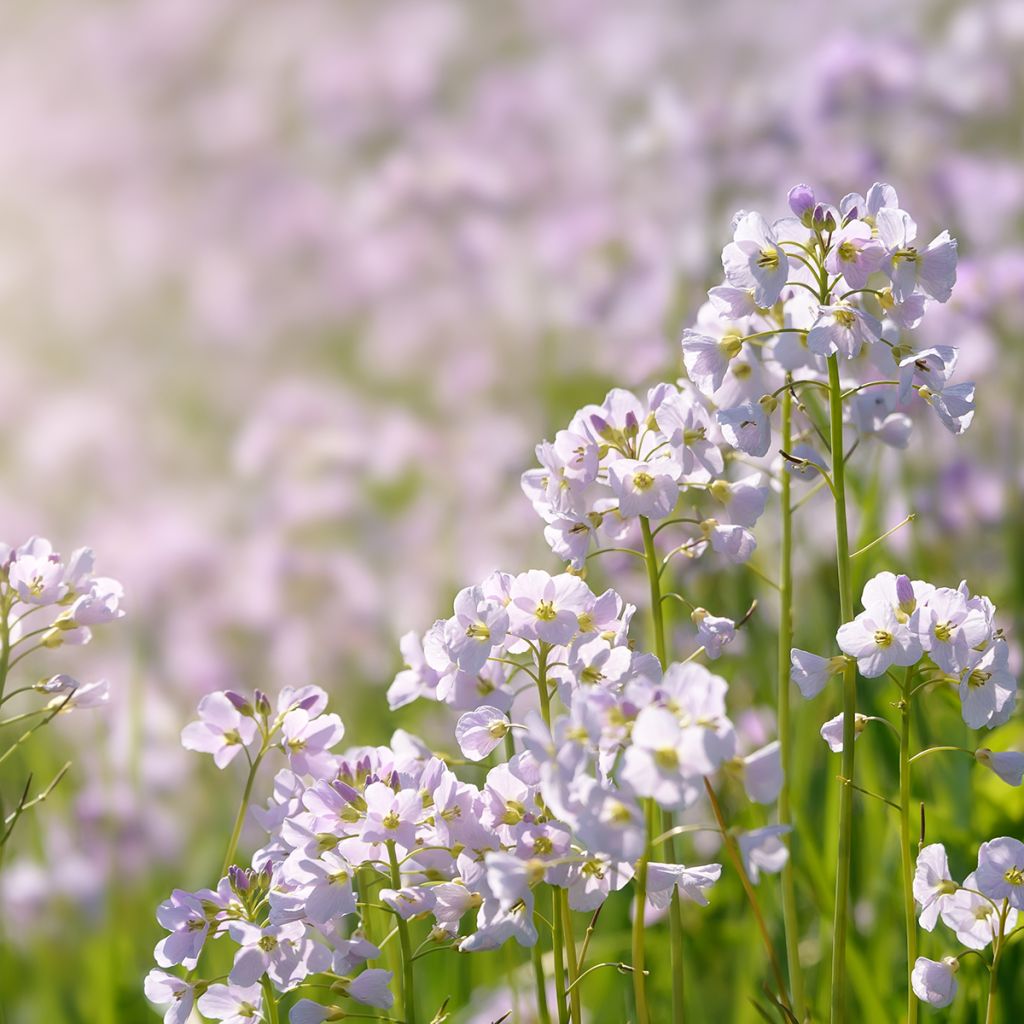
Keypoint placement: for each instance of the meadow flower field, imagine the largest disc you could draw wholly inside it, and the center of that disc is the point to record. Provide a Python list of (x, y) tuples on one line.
[(511, 512)]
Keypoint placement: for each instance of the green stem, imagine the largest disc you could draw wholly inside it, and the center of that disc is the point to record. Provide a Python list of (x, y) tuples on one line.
[(845, 847), (408, 990), (675, 916), (243, 808), (571, 958), (643, 1015), (790, 924), (557, 949), (998, 945), (732, 848), (906, 841), (540, 983), (5, 642), (269, 1001)]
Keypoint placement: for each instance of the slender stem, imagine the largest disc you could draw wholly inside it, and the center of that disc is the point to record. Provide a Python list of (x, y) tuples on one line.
[(845, 848), (243, 809), (5, 642), (542, 684), (998, 944), (540, 983), (643, 1015), (936, 750), (791, 926), (654, 580), (732, 848), (909, 914), (571, 957), (269, 1001), (557, 944), (675, 916), (408, 989)]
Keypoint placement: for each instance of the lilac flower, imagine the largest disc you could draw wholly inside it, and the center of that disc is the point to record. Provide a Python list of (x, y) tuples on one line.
[(663, 759), (713, 631), (232, 1004), (707, 359), (323, 887), (746, 427), (974, 918), (221, 730), (754, 259), (478, 627), (842, 328), (307, 741), (855, 254), (663, 879), (410, 901), (306, 1011), (70, 694), (933, 269), (161, 987), (988, 690), (1007, 764), (811, 672), (1000, 871), (762, 773), (878, 640), (933, 884), (763, 850), (391, 816), (954, 405), (479, 732), (645, 488), (930, 369), (36, 573), (832, 731), (186, 918), (372, 988), (801, 202), (417, 679), (281, 951), (547, 607), (948, 628), (934, 981)]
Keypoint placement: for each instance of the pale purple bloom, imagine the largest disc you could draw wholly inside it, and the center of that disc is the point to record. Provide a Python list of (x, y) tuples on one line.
[(932, 269), (949, 628), (930, 369), (954, 405), (1000, 871), (221, 730), (713, 631), (477, 628), (391, 816), (232, 1004), (36, 573), (1007, 764), (409, 901), (307, 741), (185, 917), (855, 254), (878, 640), (479, 732), (707, 359), (281, 951), (844, 329), (754, 259), (746, 427), (645, 488), (100, 604), (691, 882), (933, 884), (372, 988), (811, 672), (762, 773), (163, 988), (934, 981), (763, 850), (417, 678), (974, 918), (547, 607), (832, 731), (988, 689), (305, 1011)]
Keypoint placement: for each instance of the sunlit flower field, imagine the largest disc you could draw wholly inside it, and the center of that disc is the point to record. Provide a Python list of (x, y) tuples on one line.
[(511, 513)]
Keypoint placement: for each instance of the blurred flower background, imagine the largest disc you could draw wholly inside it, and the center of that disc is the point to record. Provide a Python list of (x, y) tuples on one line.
[(289, 291)]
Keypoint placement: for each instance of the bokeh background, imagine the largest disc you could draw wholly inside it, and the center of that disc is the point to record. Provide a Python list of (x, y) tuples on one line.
[(289, 291)]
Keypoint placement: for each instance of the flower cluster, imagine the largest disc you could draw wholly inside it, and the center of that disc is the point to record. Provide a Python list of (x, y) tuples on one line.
[(982, 911), (45, 603), (395, 831), (630, 457), (847, 281), (945, 635)]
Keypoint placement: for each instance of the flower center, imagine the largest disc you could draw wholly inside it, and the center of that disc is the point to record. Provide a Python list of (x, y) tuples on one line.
[(268, 943), (545, 611), (666, 758), (391, 821), (768, 259), (845, 318), (643, 481), (1015, 876), (497, 729), (590, 675), (943, 631), (883, 638), (908, 255), (514, 813), (478, 631), (978, 678), (847, 252)]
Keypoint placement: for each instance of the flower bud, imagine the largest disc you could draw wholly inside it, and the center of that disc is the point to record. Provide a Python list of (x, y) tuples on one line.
[(905, 595), (801, 202), (769, 403), (240, 704), (262, 704), (823, 218)]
